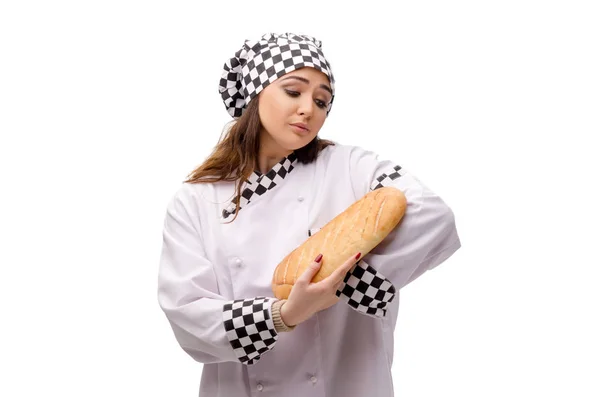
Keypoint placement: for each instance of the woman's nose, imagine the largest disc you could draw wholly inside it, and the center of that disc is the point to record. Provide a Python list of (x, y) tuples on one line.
[(306, 107)]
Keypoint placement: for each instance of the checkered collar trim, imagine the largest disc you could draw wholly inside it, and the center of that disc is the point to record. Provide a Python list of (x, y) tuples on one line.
[(258, 184)]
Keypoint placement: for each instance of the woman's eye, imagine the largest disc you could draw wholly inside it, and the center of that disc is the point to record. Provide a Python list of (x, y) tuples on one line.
[(320, 103)]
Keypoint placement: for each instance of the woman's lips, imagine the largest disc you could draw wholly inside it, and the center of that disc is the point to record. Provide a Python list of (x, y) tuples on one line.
[(299, 129)]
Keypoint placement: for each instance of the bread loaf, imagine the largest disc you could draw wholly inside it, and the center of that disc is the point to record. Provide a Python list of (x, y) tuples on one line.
[(359, 228)]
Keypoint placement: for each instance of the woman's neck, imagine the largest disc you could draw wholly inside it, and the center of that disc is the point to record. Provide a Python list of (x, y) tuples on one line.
[(267, 161), (269, 154)]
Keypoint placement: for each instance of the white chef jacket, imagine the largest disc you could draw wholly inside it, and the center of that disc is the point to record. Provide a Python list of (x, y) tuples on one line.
[(214, 282)]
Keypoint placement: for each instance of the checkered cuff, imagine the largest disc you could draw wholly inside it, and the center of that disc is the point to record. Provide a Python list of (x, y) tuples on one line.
[(366, 290), (249, 327)]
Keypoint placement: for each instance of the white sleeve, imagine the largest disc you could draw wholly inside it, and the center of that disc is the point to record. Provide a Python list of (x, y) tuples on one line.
[(425, 237), (207, 326)]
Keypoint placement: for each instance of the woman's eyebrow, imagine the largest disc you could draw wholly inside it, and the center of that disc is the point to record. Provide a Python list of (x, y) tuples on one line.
[(302, 79)]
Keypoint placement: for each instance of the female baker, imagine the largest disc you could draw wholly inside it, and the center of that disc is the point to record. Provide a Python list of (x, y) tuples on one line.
[(269, 184)]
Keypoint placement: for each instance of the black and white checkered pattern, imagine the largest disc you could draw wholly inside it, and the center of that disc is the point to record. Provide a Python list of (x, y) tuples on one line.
[(386, 178), (258, 63), (249, 327), (367, 290), (258, 184)]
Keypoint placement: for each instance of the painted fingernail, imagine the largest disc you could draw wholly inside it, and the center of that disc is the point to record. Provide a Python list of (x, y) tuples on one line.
[(318, 258), (358, 255)]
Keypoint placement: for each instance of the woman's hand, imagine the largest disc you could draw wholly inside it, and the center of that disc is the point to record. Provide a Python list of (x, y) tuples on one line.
[(307, 298)]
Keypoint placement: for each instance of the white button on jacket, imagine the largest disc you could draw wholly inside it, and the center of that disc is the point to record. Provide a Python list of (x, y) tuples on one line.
[(214, 282)]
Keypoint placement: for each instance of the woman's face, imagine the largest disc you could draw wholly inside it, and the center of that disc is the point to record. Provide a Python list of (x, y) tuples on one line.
[(299, 97)]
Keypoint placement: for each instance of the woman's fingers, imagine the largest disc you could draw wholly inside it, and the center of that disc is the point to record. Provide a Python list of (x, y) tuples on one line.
[(341, 271), (312, 269), (338, 275)]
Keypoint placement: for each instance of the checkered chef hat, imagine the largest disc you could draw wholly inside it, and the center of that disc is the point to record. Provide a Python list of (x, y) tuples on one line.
[(259, 63)]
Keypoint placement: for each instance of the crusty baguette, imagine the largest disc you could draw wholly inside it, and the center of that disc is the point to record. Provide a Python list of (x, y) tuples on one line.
[(359, 228)]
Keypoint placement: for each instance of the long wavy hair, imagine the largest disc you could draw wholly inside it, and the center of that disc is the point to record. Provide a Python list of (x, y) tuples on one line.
[(235, 157)]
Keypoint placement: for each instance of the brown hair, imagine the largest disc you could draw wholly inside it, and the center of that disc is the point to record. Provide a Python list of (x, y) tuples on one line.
[(235, 155)]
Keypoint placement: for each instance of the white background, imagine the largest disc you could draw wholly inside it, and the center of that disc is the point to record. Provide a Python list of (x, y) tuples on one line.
[(105, 107)]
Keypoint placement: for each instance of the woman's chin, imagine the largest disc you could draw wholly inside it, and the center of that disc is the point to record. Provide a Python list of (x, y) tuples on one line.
[(299, 142)]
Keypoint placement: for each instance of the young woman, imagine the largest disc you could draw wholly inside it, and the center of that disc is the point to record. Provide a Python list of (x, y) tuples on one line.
[(269, 184)]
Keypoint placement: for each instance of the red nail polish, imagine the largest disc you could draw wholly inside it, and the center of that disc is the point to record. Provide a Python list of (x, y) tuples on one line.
[(358, 255), (318, 258)]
